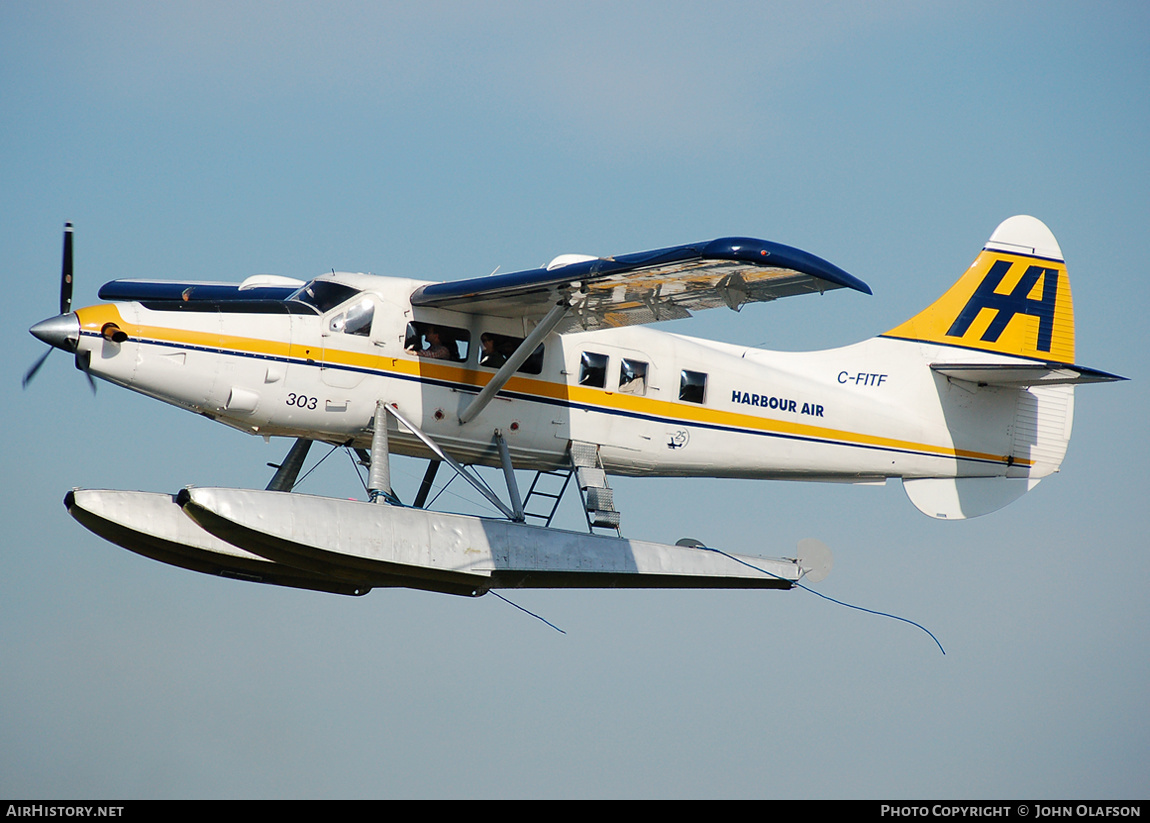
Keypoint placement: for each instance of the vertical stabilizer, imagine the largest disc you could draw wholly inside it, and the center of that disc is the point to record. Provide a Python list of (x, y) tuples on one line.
[(1014, 299)]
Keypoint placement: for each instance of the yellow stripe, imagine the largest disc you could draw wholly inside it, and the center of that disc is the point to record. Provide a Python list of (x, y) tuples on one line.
[(94, 317), (667, 410)]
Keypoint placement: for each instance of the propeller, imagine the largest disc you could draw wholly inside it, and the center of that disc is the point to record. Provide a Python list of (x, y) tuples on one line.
[(28, 375), (62, 331), (66, 272)]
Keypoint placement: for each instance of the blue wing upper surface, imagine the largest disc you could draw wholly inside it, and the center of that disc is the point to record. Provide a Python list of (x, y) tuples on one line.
[(645, 287), (604, 292)]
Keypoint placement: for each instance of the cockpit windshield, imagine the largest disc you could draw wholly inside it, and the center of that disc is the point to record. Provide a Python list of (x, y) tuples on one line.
[(324, 294)]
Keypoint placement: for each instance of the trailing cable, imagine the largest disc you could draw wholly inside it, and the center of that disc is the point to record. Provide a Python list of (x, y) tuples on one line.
[(533, 614), (828, 597)]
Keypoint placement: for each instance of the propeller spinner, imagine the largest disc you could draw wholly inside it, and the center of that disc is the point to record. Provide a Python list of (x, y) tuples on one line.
[(62, 331)]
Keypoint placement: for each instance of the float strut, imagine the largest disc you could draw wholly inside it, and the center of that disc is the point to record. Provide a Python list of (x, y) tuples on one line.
[(509, 475), (425, 486), (451, 461), (379, 476), (288, 471)]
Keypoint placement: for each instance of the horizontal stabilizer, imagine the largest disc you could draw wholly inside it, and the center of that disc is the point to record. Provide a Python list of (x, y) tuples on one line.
[(1022, 375)]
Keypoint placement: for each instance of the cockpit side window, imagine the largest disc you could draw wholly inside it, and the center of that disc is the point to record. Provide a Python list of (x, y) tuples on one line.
[(356, 320)]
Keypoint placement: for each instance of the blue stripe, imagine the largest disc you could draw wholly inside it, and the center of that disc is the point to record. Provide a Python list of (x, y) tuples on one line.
[(568, 405), (1025, 254)]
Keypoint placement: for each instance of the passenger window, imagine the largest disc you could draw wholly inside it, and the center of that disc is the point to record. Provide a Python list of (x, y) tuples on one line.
[(633, 377), (692, 386), (593, 370), (496, 348), (356, 320), (437, 342)]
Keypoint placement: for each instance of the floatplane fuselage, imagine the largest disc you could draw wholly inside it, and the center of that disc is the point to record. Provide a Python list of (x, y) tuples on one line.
[(970, 402)]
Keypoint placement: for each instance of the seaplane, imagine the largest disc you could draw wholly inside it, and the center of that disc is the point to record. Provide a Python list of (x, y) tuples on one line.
[(557, 371)]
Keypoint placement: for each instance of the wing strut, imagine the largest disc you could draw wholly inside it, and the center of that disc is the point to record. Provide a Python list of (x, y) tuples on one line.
[(517, 359)]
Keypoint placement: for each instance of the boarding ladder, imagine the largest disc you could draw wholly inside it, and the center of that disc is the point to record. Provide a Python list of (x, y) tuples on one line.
[(546, 491), (591, 479)]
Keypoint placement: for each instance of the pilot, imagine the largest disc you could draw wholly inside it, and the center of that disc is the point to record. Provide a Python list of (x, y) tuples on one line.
[(435, 346)]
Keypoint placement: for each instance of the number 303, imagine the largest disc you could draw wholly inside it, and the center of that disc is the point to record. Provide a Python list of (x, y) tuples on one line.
[(301, 401)]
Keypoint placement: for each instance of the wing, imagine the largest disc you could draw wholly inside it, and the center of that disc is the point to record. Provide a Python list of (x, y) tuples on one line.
[(665, 284), (258, 287)]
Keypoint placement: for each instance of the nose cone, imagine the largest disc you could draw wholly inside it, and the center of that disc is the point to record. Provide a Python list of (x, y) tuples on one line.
[(62, 331)]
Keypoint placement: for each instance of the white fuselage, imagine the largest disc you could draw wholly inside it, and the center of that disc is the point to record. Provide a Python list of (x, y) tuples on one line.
[(859, 413)]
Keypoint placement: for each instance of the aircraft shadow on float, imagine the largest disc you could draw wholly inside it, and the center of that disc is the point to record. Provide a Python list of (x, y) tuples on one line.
[(554, 370)]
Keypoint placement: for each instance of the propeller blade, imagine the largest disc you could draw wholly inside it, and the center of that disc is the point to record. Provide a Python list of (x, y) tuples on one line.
[(35, 368), (66, 272), (83, 362)]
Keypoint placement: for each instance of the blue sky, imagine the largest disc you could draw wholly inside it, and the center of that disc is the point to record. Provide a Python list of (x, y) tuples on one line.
[(219, 140)]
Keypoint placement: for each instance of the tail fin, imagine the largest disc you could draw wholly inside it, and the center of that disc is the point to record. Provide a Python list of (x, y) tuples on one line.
[(1014, 299)]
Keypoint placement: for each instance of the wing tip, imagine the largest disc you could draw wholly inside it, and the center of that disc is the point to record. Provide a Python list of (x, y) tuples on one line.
[(767, 253)]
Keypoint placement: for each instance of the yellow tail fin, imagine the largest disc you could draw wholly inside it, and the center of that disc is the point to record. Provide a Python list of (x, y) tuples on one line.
[(1014, 299)]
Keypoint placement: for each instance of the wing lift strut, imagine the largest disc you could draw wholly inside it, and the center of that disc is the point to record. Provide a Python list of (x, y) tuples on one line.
[(547, 325)]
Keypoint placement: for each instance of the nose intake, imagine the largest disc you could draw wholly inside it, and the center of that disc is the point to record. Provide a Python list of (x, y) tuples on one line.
[(62, 331)]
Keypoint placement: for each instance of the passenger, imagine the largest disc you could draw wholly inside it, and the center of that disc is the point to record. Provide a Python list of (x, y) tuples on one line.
[(490, 356)]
